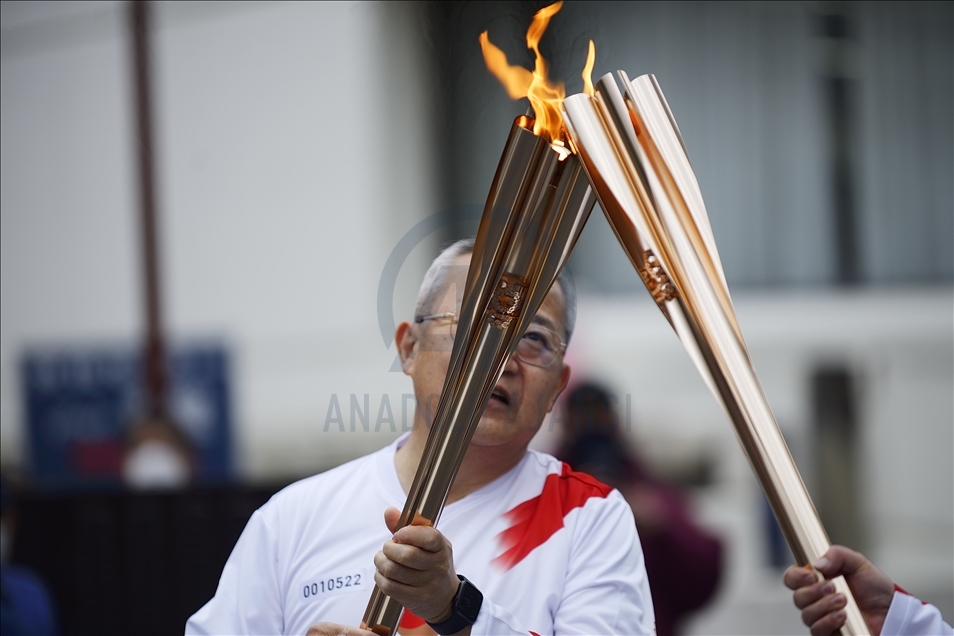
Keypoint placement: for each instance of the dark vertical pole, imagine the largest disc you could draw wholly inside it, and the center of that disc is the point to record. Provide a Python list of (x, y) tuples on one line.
[(836, 456), (838, 86), (442, 28), (154, 353)]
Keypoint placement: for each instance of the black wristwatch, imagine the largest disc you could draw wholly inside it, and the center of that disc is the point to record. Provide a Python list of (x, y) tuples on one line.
[(466, 606)]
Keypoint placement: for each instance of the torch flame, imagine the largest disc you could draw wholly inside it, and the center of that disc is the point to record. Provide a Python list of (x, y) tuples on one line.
[(545, 97), (516, 79), (588, 70)]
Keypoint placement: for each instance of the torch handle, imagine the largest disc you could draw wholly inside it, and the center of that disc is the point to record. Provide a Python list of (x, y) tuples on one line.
[(453, 428), (732, 378)]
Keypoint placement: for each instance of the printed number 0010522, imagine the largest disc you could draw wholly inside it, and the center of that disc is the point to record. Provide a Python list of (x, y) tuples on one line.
[(332, 584)]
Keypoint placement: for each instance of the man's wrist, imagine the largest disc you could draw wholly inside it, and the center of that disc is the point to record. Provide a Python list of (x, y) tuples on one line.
[(448, 609)]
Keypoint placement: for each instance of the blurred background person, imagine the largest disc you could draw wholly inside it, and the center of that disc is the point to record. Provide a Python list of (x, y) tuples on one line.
[(26, 606), (683, 560), (157, 456)]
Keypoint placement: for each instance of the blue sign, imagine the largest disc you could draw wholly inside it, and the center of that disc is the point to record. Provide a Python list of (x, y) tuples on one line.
[(80, 404)]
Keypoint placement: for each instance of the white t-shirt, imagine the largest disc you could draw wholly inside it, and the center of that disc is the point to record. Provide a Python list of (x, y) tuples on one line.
[(552, 551), (907, 616)]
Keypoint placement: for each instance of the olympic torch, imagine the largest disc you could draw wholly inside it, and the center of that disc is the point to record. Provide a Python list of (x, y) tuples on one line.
[(538, 203), (638, 165)]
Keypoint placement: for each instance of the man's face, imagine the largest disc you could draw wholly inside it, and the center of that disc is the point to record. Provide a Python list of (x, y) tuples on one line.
[(524, 394)]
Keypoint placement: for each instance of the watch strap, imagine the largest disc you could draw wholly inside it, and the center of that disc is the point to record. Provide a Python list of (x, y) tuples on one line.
[(465, 606)]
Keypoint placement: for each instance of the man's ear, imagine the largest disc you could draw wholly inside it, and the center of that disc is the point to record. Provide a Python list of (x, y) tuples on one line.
[(562, 381), (406, 342)]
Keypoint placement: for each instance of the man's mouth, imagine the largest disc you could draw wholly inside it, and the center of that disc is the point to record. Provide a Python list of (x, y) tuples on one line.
[(501, 395)]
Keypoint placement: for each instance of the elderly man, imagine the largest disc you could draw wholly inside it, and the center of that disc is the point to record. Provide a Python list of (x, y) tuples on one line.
[(525, 545)]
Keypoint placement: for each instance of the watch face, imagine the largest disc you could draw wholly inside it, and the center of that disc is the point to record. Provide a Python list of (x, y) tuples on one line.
[(468, 601)]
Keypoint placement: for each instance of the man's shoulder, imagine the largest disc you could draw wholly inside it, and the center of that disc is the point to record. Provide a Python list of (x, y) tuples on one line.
[(554, 499), (563, 489), (559, 472)]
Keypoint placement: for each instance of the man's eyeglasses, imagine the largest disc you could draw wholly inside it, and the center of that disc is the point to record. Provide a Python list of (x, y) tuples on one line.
[(539, 346)]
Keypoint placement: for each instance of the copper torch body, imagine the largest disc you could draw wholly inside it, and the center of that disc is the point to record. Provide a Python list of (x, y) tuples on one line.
[(638, 164), (537, 206)]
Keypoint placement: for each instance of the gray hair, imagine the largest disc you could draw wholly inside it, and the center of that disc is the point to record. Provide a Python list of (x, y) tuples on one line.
[(435, 281)]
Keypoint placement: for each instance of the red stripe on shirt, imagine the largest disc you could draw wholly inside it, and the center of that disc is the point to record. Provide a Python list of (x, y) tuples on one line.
[(410, 620), (536, 520), (898, 588)]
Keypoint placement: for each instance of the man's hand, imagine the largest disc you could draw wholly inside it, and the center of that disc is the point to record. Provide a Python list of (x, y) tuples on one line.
[(416, 568), (331, 629), (822, 609)]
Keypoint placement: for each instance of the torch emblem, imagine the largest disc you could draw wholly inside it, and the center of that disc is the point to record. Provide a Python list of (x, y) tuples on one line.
[(656, 278), (506, 301)]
